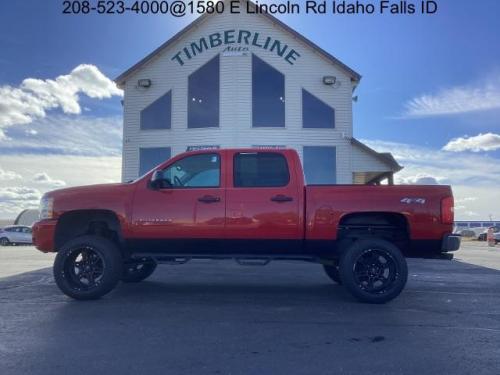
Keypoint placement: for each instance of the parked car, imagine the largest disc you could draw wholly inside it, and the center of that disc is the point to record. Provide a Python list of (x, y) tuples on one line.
[(484, 235), (469, 233), (247, 204), (15, 234), (476, 232)]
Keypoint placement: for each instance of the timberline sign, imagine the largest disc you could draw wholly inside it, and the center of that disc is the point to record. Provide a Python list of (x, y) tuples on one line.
[(242, 40)]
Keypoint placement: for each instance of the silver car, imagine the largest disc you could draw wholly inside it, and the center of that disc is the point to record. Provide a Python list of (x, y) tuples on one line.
[(15, 234)]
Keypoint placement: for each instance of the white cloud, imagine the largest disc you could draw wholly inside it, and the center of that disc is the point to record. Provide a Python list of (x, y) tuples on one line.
[(34, 97), (16, 195), (8, 175), (466, 199), (15, 199), (67, 135), (419, 179), (66, 151), (44, 179), (481, 142), (456, 100), (31, 132), (475, 179), (463, 169)]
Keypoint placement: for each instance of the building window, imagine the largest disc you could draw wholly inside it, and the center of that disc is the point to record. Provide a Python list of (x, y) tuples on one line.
[(316, 113), (158, 115), (320, 165), (203, 96), (260, 169), (151, 157), (268, 95), (197, 171)]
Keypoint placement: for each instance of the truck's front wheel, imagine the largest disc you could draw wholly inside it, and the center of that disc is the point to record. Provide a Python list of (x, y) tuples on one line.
[(373, 270), (88, 267)]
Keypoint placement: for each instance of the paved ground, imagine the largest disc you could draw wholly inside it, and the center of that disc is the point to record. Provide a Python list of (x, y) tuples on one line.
[(219, 318)]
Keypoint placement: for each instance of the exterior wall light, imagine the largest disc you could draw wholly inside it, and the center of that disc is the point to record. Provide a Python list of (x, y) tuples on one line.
[(329, 80), (144, 83)]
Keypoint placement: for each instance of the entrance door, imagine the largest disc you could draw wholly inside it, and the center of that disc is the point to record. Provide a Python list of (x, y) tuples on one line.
[(189, 204)]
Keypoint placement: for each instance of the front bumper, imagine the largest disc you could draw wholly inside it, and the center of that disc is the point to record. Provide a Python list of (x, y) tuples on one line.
[(43, 235), (450, 242)]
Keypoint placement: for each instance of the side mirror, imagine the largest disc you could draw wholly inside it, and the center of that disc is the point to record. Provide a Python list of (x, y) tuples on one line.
[(158, 181)]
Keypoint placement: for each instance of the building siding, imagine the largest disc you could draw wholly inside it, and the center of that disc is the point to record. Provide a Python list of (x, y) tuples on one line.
[(362, 161), (235, 128)]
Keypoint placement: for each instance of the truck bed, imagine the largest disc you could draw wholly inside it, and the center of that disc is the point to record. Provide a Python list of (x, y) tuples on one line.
[(329, 207)]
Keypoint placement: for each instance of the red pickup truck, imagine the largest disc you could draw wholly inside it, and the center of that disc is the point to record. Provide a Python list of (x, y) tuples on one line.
[(247, 204)]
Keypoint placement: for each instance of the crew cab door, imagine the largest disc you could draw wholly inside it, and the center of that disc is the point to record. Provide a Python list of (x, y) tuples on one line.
[(188, 204), (262, 202)]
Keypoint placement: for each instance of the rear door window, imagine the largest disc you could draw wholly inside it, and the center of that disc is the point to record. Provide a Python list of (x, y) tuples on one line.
[(260, 169)]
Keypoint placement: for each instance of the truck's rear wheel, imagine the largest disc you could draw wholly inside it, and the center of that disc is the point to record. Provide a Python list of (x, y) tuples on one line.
[(373, 270), (88, 267), (136, 272), (333, 273)]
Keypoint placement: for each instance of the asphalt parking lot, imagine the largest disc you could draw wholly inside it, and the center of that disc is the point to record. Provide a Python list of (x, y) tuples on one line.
[(215, 317)]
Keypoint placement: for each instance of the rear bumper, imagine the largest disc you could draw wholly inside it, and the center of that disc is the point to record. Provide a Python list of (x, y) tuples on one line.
[(43, 235), (450, 243)]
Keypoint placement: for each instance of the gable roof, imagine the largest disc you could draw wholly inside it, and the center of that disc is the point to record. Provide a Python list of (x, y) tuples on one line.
[(384, 157), (121, 79)]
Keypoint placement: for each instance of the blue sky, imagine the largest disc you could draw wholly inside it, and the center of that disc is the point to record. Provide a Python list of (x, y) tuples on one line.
[(427, 81)]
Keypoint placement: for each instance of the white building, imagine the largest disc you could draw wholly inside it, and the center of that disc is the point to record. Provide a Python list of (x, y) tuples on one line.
[(243, 80)]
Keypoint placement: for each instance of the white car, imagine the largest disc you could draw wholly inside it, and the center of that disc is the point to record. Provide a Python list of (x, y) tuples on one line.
[(15, 234)]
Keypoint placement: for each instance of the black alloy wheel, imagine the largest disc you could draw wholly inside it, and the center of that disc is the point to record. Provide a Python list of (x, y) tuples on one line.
[(374, 270), (85, 268), (88, 267)]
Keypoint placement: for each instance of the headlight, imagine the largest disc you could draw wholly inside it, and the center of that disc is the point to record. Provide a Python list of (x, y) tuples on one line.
[(46, 208)]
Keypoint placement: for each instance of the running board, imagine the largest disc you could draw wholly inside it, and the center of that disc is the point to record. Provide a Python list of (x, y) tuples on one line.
[(253, 261), (172, 260), (242, 260)]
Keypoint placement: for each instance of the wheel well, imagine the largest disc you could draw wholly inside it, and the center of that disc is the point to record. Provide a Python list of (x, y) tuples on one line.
[(73, 224), (386, 225)]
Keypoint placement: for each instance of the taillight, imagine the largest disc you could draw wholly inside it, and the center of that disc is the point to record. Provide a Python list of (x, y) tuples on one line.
[(447, 210)]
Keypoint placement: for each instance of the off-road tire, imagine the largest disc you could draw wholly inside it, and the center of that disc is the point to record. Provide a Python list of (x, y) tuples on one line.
[(373, 252), (110, 260)]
